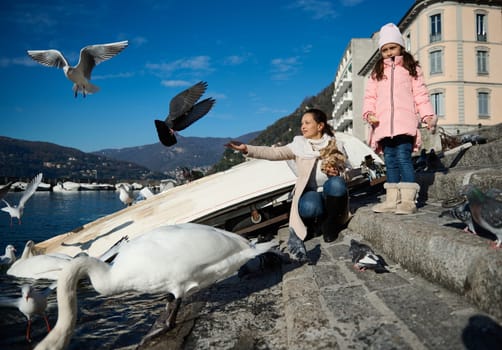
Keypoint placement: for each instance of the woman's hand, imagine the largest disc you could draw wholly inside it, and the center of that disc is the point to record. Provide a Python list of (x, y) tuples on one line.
[(237, 146)]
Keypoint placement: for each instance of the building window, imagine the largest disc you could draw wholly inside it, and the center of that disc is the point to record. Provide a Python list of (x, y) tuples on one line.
[(437, 99), (436, 61), (408, 42), (435, 34), (482, 61), (483, 104), (480, 27)]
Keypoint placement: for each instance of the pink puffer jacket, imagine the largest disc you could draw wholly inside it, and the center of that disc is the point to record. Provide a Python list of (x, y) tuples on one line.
[(396, 101)]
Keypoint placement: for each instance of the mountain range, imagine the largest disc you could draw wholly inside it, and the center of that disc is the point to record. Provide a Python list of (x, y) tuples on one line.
[(21, 159)]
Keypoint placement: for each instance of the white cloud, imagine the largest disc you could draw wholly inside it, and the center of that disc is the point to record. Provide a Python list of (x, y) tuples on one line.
[(192, 64), (175, 83), (235, 60), (350, 3), (318, 9), (17, 61), (284, 68), (113, 76)]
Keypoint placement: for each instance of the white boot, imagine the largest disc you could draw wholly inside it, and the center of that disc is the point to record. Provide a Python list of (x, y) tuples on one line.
[(391, 199), (409, 194)]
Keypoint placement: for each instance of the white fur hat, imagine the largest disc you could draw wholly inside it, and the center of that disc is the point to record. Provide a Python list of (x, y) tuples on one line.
[(389, 33)]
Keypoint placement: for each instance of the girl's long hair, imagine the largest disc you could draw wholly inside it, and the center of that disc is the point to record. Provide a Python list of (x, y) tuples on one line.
[(409, 63), (321, 117)]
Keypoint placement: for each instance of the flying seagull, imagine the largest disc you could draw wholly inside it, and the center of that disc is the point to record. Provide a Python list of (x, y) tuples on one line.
[(90, 56), (184, 110), (486, 211), (17, 211), (365, 258)]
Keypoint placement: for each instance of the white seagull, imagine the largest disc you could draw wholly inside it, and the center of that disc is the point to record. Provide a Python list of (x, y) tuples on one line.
[(90, 56), (126, 195), (8, 258), (177, 260), (31, 302), (17, 211)]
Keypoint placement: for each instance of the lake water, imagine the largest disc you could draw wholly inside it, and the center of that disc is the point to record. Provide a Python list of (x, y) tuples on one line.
[(103, 322)]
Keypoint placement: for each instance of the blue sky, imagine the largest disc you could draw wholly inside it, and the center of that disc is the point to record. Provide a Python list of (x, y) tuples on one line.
[(260, 58)]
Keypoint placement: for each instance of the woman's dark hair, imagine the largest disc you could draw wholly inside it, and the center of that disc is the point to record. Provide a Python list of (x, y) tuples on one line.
[(321, 117), (409, 63)]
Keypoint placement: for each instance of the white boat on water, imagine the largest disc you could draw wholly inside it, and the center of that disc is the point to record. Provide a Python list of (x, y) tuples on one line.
[(223, 199), (67, 186)]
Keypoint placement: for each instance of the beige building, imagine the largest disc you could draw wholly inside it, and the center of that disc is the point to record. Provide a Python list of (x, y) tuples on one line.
[(458, 44)]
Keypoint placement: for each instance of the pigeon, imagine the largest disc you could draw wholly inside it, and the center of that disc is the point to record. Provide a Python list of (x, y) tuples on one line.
[(184, 110), (4, 190), (90, 56), (268, 261), (365, 258), (486, 211), (31, 302), (17, 211), (462, 212)]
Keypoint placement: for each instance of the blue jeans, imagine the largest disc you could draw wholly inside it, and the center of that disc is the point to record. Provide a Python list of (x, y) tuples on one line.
[(311, 203), (397, 156)]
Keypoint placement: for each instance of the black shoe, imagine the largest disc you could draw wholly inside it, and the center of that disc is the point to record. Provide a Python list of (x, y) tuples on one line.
[(314, 227), (337, 217)]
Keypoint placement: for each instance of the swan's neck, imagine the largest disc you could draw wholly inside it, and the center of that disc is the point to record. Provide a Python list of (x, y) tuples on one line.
[(60, 336)]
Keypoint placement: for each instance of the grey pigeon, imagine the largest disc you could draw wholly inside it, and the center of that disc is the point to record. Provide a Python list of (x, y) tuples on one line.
[(462, 212), (90, 56), (364, 257), (184, 110), (486, 211), (268, 261)]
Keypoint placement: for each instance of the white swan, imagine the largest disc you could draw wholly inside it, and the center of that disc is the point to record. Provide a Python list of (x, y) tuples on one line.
[(31, 302), (17, 211), (90, 56), (177, 259), (38, 267), (48, 266), (28, 251)]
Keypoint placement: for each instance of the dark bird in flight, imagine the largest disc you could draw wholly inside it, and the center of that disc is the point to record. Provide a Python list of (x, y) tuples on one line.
[(184, 110)]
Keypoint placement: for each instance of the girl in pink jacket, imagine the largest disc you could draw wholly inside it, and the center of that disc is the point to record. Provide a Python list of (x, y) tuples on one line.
[(395, 101)]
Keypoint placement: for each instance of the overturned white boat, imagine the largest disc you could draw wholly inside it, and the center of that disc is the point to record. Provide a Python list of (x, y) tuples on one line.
[(248, 196)]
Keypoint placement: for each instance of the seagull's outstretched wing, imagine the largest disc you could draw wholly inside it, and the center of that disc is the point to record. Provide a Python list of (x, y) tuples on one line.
[(184, 101), (92, 55), (49, 58), (30, 189)]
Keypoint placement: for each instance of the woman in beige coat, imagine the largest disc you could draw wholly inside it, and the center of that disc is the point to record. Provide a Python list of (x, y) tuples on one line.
[(320, 201)]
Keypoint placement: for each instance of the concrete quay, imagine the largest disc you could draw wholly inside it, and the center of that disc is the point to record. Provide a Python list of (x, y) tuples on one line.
[(443, 291)]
